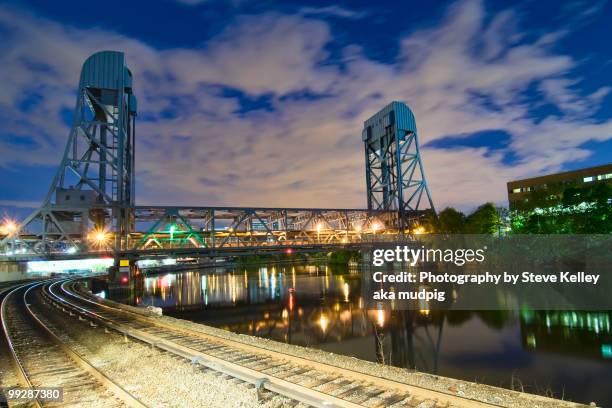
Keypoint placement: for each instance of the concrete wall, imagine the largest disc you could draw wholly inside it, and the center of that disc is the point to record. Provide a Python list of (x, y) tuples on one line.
[(13, 271)]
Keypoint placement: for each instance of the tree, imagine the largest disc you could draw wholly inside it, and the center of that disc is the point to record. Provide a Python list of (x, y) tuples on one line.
[(485, 220), (582, 210), (451, 221)]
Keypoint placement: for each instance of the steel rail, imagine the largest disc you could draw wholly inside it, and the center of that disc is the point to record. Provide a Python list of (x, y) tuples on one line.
[(21, 369), (81, 362), (382, 382), (260, 380)]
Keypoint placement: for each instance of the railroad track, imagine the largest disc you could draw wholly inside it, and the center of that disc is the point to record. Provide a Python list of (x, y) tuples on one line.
[(43, 360), (311, 382)]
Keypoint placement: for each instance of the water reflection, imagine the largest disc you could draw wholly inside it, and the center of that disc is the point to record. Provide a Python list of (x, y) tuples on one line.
[(582, 334), (320, 306)]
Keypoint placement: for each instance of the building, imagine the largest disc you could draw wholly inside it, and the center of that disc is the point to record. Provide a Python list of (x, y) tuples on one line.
[(520, 191)]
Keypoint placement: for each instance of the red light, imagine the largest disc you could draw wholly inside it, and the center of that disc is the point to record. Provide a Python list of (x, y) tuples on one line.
[(288, 251), (124, 279)]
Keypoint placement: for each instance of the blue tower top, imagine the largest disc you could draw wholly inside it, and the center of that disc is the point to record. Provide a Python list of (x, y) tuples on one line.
[(106, 70), (396, 113)]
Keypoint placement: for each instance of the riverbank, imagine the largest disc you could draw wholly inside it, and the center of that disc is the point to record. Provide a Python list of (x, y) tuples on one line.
[(331, 258)]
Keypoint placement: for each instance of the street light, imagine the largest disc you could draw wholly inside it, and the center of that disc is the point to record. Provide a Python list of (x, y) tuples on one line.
[(99, 237), (172, 229), (9, 227), (319, 227), (419, 230)]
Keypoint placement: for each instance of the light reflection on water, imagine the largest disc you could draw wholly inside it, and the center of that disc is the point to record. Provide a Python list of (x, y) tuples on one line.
[(320, 306)]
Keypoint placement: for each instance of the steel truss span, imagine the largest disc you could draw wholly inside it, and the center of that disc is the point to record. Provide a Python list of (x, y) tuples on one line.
[(90, 207), (209, 229)]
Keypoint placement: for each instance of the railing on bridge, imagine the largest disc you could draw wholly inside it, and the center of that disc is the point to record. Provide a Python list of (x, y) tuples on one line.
[(159, 229), (218, 227)]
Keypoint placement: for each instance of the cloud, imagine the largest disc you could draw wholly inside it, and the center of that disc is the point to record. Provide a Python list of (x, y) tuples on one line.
[(19, 204), (268, 53), (333, 11), (201, 143), (559, 92)]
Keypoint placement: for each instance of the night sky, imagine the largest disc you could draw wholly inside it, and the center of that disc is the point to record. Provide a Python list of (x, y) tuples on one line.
[(262, 103)]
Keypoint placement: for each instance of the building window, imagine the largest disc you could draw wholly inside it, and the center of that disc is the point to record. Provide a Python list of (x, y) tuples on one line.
[(588, 179), (516, 190)]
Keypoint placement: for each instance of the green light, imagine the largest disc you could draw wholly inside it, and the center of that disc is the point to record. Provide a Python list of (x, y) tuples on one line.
[(172, 229), (606, 350)]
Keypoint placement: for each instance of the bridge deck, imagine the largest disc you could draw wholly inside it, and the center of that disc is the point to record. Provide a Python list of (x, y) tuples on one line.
[(199, 230)]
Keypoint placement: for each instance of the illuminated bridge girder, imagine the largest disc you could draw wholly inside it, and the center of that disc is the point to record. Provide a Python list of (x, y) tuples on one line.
[(223, 227), (160, 229)]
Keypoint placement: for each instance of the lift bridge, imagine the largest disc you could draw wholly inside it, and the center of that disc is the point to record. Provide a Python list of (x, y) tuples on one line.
[(90, 208)]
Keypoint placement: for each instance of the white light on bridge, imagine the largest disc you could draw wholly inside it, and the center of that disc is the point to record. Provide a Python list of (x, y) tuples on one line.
[(99, 237), (169, 261), (419, 230), (76, 266), (376, 226), (8, 228)]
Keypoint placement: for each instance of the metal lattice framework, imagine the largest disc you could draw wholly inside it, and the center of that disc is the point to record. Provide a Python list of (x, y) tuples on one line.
[(90, 209), (93, 189), (395, 177), (224, 230), (225, 227)]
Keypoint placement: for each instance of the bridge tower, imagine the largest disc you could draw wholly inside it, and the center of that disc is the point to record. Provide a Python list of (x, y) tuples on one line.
[(395, 178), (93, 189)]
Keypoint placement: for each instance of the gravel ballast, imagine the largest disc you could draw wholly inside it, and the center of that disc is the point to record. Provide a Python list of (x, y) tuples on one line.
[(157, 378)]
